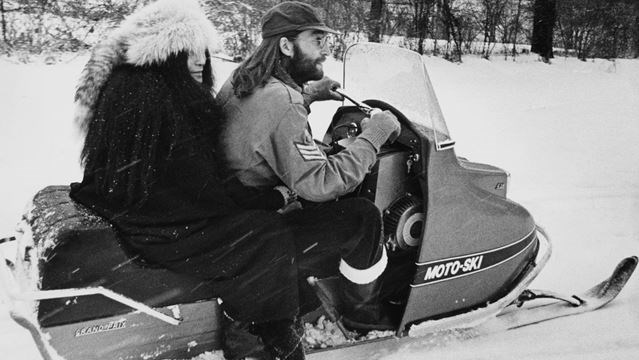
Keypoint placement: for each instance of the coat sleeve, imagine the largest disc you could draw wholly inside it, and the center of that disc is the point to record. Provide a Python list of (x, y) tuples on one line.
[(293, 155)]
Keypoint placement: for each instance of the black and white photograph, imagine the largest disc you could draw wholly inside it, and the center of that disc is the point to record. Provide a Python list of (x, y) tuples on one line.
[(322, 180)]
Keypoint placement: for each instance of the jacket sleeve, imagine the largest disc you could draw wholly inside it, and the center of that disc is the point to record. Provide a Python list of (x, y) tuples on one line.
[(293, 155), (253, 198)]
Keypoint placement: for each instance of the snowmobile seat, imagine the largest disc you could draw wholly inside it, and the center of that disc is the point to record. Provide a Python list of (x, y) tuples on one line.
[(77, 249)]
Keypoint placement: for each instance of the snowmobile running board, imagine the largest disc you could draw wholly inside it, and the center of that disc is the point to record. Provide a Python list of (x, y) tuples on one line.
[(510, 312), (9, 284)]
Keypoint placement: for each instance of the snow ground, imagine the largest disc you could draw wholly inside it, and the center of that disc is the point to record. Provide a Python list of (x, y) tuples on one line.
[(567, 132)]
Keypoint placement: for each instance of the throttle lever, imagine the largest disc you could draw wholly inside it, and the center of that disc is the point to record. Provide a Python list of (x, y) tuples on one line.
[(363, 107)]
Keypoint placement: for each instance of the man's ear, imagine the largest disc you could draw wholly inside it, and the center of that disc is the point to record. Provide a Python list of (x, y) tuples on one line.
[(286, 47)]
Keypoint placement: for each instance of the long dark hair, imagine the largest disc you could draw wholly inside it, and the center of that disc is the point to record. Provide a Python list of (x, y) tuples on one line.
[(266, 61), (144, 116)]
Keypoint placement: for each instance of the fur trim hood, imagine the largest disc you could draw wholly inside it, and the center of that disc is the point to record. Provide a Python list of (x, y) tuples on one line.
[(148, 36)]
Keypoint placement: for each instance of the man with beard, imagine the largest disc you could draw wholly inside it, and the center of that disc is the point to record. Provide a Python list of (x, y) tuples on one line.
[(267, 142)]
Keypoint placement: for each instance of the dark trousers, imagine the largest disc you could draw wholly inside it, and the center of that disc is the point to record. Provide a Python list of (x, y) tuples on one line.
[(325, 233), (260, 273), (321, 235)]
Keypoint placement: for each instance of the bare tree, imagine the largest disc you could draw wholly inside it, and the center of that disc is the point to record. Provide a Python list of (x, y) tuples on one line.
[(617, 29), (512, 26), (516, 26), (422, 13), (599, 28), (452, 30), (493, 13), (545, 13), (398, 18), (4, 21), (605, 28), (239, 21), (375, 20), (58, 25), (351, 18), (635, 32)]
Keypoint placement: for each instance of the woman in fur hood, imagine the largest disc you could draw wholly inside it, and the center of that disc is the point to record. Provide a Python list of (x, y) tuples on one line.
[(151, 168)]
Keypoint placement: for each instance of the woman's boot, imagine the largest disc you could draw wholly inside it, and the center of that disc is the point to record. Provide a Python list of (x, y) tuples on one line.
[(241, 342), (282, 338)]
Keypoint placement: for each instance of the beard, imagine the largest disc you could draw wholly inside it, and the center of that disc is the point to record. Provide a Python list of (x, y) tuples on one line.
[(303, 69)]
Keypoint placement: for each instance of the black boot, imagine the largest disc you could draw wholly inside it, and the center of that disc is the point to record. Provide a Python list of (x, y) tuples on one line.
[(362, 310), (240, 342), (282, 338)]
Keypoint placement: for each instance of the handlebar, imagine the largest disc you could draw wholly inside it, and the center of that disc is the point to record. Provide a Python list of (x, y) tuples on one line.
[(363, 107)]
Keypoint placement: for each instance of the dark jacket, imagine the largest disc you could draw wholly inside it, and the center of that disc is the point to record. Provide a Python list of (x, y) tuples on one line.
[(185, 190)]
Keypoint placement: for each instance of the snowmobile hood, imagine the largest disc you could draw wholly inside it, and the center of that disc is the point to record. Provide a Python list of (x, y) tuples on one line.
[(148, 36)]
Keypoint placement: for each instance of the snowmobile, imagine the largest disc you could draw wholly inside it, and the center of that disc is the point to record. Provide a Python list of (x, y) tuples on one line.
[(461, 254)]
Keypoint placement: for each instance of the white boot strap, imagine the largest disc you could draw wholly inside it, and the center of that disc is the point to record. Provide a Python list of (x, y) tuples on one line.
[(364, 276)]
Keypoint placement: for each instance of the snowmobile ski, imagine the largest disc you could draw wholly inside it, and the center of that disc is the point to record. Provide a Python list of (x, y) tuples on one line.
[(590, 300)]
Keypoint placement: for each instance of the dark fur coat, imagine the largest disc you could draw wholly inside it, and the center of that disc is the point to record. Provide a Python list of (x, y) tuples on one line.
[(151, 168)]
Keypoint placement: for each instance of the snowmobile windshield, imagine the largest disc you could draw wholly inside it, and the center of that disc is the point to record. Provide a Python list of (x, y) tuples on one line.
[(398, 77)]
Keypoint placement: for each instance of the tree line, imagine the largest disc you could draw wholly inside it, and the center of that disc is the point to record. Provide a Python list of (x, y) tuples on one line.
[(448, 28)]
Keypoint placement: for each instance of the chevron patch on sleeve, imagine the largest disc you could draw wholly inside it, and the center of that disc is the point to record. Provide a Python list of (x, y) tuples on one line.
[(310, 152)]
